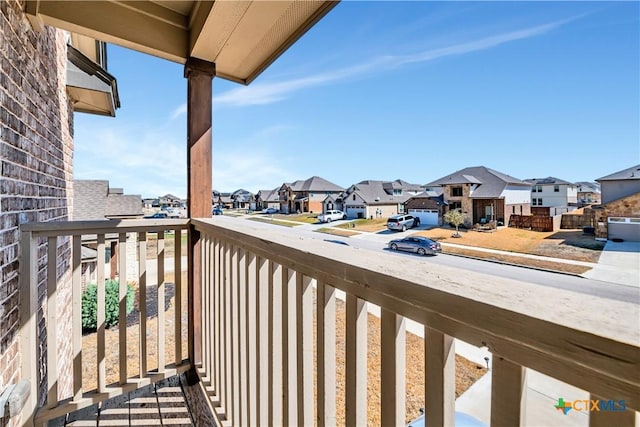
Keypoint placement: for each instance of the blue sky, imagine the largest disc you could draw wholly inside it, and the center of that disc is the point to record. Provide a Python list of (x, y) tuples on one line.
[(387, 90)]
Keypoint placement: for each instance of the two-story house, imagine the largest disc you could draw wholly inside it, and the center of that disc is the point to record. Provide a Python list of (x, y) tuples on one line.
[(588, 192), (374, 199), (306, 195), (618, 217), (552, 192), (484, 194)]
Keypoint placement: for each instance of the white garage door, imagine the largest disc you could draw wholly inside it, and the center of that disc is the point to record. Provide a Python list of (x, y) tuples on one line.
[(427, 216), (627, 229), (355, 211)]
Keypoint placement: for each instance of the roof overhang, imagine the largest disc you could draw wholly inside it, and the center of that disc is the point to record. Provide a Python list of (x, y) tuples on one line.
[(241, 37), (92, 89)]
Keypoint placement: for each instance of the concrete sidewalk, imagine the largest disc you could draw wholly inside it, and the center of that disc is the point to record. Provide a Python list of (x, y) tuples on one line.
[(618, 263)]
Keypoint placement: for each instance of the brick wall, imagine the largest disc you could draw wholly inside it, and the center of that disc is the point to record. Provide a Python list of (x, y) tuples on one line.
[(36, 149)]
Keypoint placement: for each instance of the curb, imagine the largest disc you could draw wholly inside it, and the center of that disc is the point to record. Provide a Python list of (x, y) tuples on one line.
[(495, 261)]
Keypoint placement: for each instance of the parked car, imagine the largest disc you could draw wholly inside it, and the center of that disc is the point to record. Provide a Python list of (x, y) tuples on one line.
[(402, 222), (417, 244), (332, 215), (270, 211), (216, 211), (157, 215)]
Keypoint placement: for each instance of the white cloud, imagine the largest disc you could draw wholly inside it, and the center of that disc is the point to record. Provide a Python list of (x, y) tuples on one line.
[(267, 93)]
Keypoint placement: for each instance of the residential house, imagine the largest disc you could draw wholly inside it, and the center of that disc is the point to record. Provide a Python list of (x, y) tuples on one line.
[(268, 199), (307, 195), (42, 348), (96, 200), (373, 198), (243, 199), (554, 193), (170, 201), (429, 206), (618, 217), (484, 194), (223, 200), (588, 193)]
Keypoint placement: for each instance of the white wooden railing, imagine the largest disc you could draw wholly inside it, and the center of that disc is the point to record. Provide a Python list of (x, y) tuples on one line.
[(262, 360), (47, 280), (258, 338)]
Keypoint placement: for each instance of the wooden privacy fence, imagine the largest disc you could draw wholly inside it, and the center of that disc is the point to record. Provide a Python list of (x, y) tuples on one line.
[(262, 288), (577, 221), (51, 281), (532, 222)]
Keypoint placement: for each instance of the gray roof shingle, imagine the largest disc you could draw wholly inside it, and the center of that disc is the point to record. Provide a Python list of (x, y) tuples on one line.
[(626, 174), (491, 182), (92, 200)]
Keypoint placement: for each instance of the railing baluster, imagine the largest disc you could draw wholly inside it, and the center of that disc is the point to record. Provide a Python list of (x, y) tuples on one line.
[(100, 316), (52, 323), (263, 354), (205, 314), (235, 338), (356, 362), (228, 341), (326, 351), (122, 303), (304, 348), (76, 318), (392, 369), (160, 301), (28, 320), (251, 344), (289, 360), (217, 316), (242, 339), (177, 269), (142, 300), (508, 386), (276, 372), (440, 378)]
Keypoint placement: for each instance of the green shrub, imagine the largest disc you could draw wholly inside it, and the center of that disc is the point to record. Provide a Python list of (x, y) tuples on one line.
[(90, 304)]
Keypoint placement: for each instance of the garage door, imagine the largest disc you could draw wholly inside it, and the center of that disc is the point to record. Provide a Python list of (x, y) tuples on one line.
[(355, 211), (627, 229), (427, 216)]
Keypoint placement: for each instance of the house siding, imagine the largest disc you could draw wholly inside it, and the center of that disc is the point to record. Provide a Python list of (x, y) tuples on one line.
[(566, 194), (617, 189), (36, 149)]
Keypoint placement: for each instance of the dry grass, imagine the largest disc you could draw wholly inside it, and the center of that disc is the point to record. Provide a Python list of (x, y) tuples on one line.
[(337, 231), (368, 225), (566, 244)]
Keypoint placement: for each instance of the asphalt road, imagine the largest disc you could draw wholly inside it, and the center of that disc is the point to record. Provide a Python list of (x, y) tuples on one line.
[(567, 282)]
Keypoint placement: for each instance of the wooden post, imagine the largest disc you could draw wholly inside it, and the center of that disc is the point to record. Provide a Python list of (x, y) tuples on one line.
[(199, 75)]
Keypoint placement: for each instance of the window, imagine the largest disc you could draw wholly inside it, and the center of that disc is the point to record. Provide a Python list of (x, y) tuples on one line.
[(534, 201), (455, 205), (354, 197), (456, 191), (397, 192), (539, 202), (400, 208), (513, 209), (556, 188), (537, 189)]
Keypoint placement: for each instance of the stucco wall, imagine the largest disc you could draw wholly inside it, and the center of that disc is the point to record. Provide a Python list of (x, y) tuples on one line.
[(36, 149)]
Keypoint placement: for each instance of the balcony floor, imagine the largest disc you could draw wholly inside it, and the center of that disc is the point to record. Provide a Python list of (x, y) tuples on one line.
[(169, 402)]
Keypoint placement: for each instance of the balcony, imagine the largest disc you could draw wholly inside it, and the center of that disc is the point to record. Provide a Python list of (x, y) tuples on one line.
[(254, 325)]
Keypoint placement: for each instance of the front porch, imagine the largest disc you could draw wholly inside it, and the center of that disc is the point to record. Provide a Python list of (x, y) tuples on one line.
[(260, 357)]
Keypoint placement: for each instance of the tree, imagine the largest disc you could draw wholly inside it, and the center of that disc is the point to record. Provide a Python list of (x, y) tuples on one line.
[(455, 218)]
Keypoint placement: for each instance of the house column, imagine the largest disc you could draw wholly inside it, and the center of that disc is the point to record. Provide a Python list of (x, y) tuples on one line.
[(199, 75)]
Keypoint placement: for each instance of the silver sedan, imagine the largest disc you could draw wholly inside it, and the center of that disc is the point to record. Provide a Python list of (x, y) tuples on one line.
[(419, 245)]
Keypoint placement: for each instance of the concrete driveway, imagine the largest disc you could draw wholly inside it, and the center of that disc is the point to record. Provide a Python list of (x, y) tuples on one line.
[(618, 263)]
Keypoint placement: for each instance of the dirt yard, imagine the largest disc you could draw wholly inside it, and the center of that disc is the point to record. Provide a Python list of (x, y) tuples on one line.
[(466, 372), (565, 244)]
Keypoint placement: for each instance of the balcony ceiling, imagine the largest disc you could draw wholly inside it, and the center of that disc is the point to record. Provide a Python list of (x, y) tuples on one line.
[(242, 37)]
